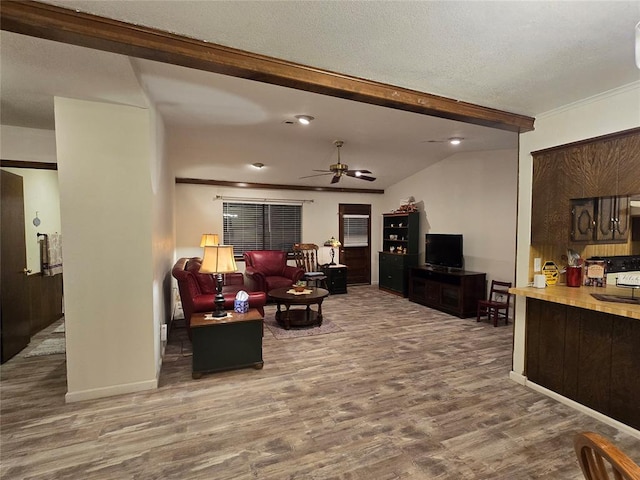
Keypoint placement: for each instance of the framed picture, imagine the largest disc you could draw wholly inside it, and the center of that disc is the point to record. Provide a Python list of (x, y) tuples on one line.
[(594, 273)]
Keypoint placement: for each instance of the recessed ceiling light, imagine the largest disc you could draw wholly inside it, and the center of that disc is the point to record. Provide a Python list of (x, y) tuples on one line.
[(304, 119), (257, 165), (455, 141)]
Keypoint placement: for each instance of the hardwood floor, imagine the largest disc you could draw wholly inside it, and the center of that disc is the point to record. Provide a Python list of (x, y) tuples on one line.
[(402, 392)]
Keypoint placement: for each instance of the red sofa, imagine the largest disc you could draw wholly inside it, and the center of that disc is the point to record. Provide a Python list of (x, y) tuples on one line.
[(266, 270), (198, 290)]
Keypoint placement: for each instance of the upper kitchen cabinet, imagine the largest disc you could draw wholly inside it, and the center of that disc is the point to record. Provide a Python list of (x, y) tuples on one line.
[(612, 219), (629, 165), (597, 168)]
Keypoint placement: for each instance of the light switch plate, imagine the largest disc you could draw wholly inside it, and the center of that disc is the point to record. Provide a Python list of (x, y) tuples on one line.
[(537, 264)]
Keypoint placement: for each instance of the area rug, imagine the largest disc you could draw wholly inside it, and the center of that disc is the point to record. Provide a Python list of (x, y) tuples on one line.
[(282, 334), (60, 328), (49, 346)]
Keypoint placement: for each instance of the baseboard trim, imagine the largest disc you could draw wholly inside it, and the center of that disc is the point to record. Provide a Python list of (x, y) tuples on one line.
[(581, 408), (71, 397), (518, 378)]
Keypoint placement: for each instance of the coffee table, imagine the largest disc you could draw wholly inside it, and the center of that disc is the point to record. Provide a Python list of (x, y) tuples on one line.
[(298, 317)]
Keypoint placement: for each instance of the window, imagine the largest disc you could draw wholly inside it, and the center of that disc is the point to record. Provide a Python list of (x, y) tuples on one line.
[(355, 230), (257, 226)]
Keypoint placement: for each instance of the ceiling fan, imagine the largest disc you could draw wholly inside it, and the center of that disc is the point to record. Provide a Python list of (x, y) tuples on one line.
[(339, 169)]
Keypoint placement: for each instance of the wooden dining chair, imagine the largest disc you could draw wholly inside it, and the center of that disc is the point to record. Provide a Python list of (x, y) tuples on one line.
[(497, 305), (306, 257), (601, 460)]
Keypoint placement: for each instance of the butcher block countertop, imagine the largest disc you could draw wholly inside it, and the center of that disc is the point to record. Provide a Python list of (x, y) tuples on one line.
[(581, 297)]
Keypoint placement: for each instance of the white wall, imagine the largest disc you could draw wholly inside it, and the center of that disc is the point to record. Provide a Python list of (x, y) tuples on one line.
[(41, 193), (458, 193), (27, 144), (104, 153), (41, 196), (162, 190), (198, 212), (472, 193), (609, 112)]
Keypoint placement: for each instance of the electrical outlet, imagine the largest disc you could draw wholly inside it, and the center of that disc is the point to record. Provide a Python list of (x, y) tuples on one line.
[(163, 332), (537, 264)]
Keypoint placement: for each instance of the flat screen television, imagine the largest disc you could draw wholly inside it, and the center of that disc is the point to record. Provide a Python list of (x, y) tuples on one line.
[(444, 250)]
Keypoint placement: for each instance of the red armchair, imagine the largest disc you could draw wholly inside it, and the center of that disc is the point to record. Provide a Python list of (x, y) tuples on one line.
[(266, 270), (197, 290)]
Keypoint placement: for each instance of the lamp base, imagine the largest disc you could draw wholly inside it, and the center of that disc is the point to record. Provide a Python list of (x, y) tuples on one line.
[(219, 299)]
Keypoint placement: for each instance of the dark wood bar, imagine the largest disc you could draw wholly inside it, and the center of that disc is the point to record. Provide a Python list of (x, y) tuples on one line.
[(588, 356)]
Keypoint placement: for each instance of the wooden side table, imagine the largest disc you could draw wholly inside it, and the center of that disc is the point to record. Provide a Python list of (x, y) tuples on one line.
[(226, 343)]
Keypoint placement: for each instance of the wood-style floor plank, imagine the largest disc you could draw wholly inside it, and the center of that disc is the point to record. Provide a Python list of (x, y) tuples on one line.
[(402, 392)]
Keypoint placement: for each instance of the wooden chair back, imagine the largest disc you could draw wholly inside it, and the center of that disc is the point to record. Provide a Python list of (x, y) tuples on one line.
[(500, 292), (497, 305), (306, 256), (601, 460)]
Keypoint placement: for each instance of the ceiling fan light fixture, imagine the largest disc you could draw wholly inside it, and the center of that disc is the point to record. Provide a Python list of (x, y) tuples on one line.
[(455, 141), (304, 119)]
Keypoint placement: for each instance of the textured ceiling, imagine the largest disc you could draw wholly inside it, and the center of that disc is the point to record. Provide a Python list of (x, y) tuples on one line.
[(522, 57)]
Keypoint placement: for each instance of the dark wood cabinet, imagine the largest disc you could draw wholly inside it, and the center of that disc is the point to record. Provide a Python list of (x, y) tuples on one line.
[(400, 247), (394, 272), (226, 343), (600, 220), (587, 356), (454, 292), (336, 278), (583, 219), (598, 168), (612, 219)]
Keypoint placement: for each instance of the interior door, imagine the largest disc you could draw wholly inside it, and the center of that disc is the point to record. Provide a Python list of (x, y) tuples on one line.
[(14, 323), (355, 236)]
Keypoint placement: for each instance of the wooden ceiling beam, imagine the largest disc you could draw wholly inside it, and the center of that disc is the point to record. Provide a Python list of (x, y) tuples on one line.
[(69, 26)]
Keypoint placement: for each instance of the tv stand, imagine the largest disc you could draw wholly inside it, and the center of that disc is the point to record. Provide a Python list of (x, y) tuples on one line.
[(449, 290)]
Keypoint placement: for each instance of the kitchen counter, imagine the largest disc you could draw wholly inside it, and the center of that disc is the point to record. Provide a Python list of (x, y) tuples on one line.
[(584, 350), (581, 297)]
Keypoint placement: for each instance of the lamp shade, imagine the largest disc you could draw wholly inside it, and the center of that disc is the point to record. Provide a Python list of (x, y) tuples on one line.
[(332, 242), (209, 240), (218, 259)]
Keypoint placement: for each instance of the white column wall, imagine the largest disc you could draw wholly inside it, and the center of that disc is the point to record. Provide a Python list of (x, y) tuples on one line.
[(162, 191), (103, 153), (609, 112)]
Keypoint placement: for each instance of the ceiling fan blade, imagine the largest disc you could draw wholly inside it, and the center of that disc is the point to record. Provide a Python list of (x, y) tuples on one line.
[(353, 173), (317, 174), (328, 171), (336, 178)]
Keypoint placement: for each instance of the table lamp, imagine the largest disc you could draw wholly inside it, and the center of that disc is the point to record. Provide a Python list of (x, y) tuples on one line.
[(333, 243), (218, 259), (209, 240)]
